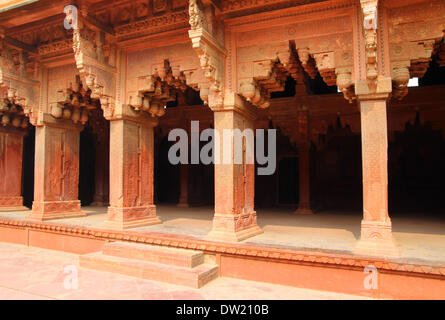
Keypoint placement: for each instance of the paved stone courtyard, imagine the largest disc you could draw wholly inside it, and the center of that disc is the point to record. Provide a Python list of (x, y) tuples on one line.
[(32, 273)]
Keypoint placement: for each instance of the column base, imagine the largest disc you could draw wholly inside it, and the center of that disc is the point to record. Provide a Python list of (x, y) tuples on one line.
[(49, 210), (377, 240), (11, 209), (183, 205), (99, 204), (234, 228), (11, 202), (303, 210), (131, 217)]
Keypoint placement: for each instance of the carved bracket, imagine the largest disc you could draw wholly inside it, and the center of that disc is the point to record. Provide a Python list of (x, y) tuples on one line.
[(369, 9), (210, 51), (334, 67), (409, 60), (74, 103), (19, 95), (97, 73)]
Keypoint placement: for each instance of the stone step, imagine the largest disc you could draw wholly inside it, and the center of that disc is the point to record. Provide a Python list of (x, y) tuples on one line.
[(151, 253), (192, 277)]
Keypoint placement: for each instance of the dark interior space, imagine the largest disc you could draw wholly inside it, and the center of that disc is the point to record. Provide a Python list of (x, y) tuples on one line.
[(167, 179), (28, 167), (94, 160), (280, 188), (289, 89), (435, 75), (337, 180), (87, 160), (166, 174), (288, 193), (318, 86), (416, 169)]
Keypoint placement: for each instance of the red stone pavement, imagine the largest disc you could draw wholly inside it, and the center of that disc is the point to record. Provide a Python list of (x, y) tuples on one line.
[(34, 273)]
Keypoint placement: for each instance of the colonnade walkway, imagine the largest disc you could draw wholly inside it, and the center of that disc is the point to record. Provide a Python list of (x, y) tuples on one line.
[(420, 237)]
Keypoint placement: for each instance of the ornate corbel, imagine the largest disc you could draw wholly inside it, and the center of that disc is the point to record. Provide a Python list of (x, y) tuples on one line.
[(97, 72), (74, 103), (369, 10), (19, 94), (308, 62), (210, 51), (263, 70), (167, 78)]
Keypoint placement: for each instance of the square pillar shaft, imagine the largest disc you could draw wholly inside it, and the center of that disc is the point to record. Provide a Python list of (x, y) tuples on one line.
[(376, 236), (11, 153), (183, 185), (56, 178), (235, 218), (131, 175), (304, 206)]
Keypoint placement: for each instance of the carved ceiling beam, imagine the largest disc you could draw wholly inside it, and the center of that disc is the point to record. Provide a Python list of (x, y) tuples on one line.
[(19, 94), (206, 38)]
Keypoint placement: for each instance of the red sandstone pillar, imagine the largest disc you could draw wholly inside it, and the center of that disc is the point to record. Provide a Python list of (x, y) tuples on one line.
[(184, 181), (376, 236), (131, 175), (101, 176), (11, 152), (235, 218), (304, 205), (56, 177)]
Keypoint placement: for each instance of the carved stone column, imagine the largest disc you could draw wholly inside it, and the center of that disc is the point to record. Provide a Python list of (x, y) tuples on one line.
[(235, 217), (184, 182), (131, 174), (376, 236), (56, 178), (11, 153), (304, 204)]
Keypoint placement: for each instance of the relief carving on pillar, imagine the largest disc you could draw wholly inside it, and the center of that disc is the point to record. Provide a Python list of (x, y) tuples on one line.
[(208, 44), (19, 94)]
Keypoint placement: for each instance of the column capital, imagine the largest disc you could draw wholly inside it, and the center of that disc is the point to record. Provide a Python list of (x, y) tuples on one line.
[(234, 102), (380, 90)]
